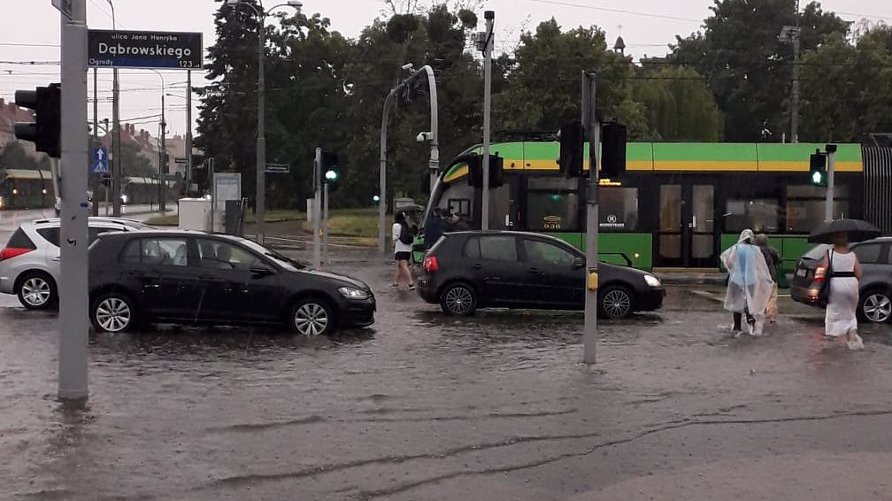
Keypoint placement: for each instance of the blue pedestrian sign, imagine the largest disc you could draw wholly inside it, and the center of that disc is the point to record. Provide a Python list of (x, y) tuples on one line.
[(99, 164)]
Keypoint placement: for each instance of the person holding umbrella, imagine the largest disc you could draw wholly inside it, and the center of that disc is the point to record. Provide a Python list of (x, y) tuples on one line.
[(844, 274)]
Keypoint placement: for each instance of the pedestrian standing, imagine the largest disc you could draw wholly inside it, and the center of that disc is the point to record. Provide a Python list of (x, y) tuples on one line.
[(402, 241), (772, 260), (749, 284), (433, 228), (845, 278)]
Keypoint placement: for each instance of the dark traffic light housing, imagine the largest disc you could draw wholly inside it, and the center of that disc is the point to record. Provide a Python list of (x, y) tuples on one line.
[(613, 150), (45, 130), (331, 170), (817, 168), (572, 148), (475, 170)]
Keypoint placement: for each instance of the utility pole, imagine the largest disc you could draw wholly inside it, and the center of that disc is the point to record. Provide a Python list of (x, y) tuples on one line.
[(794, 117), (260, 200), (188, 131), (382, 172), (117, 169), (490, 17), (831, 169), (96, 176), (73, 303), (162, 165), (325, 260), (593, 130), (317, 217)]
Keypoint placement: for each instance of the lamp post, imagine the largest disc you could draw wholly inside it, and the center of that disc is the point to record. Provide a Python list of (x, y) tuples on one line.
[(260, 203), (162, 155), (116, 136), (188, 139)]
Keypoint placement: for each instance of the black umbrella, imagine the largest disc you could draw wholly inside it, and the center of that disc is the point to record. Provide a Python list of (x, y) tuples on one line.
[(856, 230)]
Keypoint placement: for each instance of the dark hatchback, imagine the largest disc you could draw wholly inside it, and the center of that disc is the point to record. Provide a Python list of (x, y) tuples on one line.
[(192, 277), (875, 256), (469, 270)]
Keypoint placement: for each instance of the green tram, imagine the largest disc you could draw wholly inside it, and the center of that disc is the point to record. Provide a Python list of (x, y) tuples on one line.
[(679, 205)]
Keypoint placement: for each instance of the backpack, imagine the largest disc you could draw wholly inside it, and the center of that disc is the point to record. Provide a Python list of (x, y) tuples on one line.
[(406, 236)]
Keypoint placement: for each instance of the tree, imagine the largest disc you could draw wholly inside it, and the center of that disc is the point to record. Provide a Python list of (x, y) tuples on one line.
[(15, 156), (748, 68), (543, 81), (134, 163), (679, 105)]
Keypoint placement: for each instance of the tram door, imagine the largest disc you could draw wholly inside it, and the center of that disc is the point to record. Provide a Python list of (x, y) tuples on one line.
[(686, 236)]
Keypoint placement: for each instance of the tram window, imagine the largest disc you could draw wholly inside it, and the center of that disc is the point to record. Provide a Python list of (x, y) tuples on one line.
[(804, 215), (552, 211), (618, 209), (759, 215)]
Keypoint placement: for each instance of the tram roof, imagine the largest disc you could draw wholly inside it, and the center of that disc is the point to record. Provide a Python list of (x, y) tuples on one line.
[(26, 174)]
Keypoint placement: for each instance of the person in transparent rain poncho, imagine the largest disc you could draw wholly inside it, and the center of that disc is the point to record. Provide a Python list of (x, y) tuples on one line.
[(749, 284)]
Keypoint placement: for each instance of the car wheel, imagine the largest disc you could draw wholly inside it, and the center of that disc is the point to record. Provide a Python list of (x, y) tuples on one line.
[(37, 291), (616, 302), (875, 306), (312, 317), (113, 312), (458, 300)]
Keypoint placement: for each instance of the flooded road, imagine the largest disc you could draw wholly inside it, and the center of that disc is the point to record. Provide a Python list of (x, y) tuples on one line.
[(423, 406)]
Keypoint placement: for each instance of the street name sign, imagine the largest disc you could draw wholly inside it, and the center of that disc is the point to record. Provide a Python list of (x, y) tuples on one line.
[(181, 160), (278, 168), (144, 49)]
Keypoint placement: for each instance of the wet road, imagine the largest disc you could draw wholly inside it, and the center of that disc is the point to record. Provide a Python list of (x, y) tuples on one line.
[(422, 406)]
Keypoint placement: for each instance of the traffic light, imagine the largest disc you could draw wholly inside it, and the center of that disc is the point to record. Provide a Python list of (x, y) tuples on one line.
[(572, 148), (331, 170), (44, 131), (376, 199), (817, 168), (106, 180), (613, 150), (475, 171)]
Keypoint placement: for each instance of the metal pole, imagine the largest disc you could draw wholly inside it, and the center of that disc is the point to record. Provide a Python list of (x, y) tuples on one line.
[(794, 118), (325, 260), (95, 182), (592, 128), (382, 174), (260, 200), (117, 170), (188, 131), (73, 303), (434, 163), (317, 217), (57, 192), (831, 169), (487, 105), (162, 165)]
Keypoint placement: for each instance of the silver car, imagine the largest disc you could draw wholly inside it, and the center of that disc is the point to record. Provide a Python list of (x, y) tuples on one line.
[(29, 264)]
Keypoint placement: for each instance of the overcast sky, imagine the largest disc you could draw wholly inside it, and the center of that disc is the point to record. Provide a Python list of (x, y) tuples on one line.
[(647, 26)]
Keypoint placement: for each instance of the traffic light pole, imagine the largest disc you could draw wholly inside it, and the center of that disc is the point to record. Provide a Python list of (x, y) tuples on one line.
[(831, 168), (317, 219), (325, 225), (593, 130), (487, 107), (96, 176), (73, 303)]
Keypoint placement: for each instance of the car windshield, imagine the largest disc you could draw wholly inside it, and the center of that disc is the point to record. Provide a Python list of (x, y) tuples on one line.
[(817, 252), (283, 261)]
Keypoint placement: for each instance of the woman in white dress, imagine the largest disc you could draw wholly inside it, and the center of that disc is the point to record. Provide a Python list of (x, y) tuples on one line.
[(841, 319)]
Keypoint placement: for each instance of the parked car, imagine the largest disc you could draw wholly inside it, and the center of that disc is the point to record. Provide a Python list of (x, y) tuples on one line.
[(476, 269), (192, 277), (29, 264), (875, 256)]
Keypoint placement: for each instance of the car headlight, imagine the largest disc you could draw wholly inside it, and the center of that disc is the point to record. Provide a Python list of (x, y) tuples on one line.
[(353, 293), (652, 281)]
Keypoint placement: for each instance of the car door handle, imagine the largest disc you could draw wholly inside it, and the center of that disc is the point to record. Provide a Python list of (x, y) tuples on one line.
[(477, 266), (534, 270), (57, 258)]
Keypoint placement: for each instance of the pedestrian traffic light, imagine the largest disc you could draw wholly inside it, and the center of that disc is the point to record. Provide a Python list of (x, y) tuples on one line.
[(475, 171), (106, 180), (817, 170), (376, 199), (331, 170), (572, 148), (613, 150), (44, 131)]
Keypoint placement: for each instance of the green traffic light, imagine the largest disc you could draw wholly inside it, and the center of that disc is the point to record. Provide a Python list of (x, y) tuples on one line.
[(376, 199), (331, 175), (817, 177)]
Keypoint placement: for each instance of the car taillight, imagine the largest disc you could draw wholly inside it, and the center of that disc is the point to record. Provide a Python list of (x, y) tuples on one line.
[(430, 264), (820, 274), (11, 252)]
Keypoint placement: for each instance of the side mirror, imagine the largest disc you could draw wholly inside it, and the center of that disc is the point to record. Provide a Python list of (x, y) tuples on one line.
[(578, 263)]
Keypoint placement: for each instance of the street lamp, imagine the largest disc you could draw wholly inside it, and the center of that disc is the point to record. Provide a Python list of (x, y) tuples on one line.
[(260, 203)]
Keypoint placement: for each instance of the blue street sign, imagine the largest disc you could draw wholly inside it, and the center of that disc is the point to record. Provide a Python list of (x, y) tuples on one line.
[(100, 160)]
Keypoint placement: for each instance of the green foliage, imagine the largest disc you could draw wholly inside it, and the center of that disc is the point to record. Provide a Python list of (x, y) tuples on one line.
[(134, 163), (14, 156), (679, 105)]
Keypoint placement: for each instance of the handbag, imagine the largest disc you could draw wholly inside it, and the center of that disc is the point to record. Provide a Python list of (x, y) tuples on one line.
[(824, 292)]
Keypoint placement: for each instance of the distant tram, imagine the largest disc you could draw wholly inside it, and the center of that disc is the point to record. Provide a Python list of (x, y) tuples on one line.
[(26, 189)]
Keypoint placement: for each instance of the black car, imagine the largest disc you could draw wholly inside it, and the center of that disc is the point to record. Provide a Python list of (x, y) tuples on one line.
[(875, 256), (476, 269), (200, 278)]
